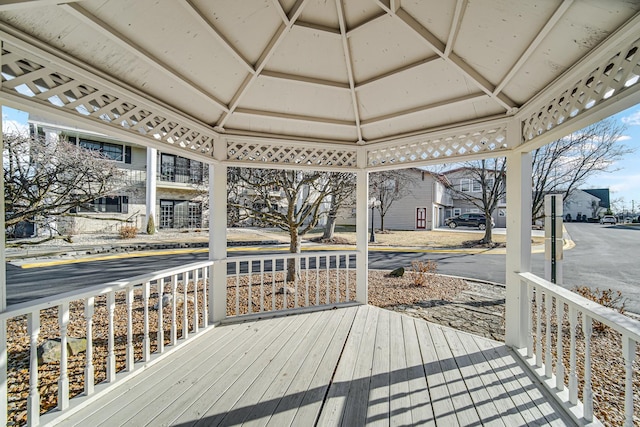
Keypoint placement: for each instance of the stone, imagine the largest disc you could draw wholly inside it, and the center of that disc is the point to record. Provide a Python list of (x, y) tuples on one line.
[(166, 300), (398, 272), (49, 350), (288, 289)]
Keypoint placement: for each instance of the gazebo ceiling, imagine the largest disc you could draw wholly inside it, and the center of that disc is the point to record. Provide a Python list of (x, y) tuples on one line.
[(349, 71)]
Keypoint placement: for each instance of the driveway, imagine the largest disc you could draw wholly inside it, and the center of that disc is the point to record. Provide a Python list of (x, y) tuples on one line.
[(605, 256)]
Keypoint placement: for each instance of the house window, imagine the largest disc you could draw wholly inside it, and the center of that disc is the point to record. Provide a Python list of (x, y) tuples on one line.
[(457, 211), (465, 185), (116, 204), (180, 214), (473, 210), (111, 151), (180, 169), (477, 187)]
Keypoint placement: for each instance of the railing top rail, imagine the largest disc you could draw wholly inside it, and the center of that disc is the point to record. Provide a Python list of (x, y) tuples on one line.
[(271, 256), (96, 290), (623, 324)]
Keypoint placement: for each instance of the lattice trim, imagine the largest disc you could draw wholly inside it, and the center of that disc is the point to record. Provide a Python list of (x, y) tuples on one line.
[(615, 76), (267, 153), (28, 77), (459, 145)]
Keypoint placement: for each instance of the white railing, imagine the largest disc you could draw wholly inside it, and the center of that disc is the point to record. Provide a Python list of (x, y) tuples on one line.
[(558, 320), (289, 281), (130, 323), (126, 325)]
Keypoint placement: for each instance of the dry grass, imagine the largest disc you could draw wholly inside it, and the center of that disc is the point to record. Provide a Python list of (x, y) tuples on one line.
[(431, 239)]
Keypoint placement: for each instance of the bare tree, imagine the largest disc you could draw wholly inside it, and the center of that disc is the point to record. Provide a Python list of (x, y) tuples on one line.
[(342, 186), (389, 187), (488, 177), (48, 179), (565, 164), (286, 199)]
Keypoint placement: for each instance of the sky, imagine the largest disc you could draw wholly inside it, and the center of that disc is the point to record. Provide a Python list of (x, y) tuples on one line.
[(623, 182)]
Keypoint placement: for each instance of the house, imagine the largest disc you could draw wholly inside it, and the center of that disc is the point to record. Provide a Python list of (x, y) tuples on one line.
[(467, 187), (174, 191), (583, 204), (424, 205)]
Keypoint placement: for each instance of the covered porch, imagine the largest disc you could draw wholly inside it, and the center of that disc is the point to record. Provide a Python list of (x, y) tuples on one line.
[(357, 86)]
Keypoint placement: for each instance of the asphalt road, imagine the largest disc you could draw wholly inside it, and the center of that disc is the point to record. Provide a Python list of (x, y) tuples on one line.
[(605, 256)]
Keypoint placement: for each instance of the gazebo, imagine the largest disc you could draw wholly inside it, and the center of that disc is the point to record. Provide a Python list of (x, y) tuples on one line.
[(344, 85)]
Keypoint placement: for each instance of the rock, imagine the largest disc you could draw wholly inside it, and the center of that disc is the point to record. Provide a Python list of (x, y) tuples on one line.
[(288, 289), (398, 272), (49, 351), (166, 300)]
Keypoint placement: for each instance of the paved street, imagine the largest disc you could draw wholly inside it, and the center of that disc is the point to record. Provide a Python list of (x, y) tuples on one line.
[(604, 256)]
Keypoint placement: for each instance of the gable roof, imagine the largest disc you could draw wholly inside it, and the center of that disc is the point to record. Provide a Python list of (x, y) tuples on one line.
[(600, 193)]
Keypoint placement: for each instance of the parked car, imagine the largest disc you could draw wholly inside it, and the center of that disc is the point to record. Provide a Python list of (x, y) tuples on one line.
[(468, 220), (608, 219)]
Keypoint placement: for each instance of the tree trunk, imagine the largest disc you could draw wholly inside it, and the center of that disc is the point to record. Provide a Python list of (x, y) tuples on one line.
[(381, 222), (330, 227), (294, 248), (488, 237)]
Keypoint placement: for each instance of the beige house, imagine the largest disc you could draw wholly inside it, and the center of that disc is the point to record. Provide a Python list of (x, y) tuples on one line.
[(175, 197)]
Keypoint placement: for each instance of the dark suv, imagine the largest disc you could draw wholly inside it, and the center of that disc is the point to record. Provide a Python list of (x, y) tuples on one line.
[(469, 220)]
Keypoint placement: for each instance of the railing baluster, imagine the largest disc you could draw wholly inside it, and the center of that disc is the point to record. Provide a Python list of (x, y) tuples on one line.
[(306, 282), (196, 317), (261, 285), (205, 301), (185, 305), (347, 258), (146, 342), (548, 363), (295, 283), (538, 327), (628, 353), (33, 400), (337, 257), (250, 276), (129, 361), (559, 345), (328, 291), (160, 334), (238, 287), (111, 357), (529, 323), (174, 304), (317, 280), (89, 370), (273, 284), (63, 381), (573, 377), (587, 392)]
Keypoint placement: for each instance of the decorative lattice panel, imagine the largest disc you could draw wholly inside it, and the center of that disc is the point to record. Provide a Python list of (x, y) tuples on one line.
[(618, 74), (288, 154), (443, 147), (27, 76)]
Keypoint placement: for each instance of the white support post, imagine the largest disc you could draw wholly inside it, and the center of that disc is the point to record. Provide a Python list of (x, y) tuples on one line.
[(518, 241), (3, 256), (362, 220), (218, 236), (152, 174)]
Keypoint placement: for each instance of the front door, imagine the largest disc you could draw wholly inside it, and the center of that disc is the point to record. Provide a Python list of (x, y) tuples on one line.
[(421, 218)]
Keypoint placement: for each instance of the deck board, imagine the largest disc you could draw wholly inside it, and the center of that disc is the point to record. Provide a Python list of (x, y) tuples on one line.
[(350, 366)]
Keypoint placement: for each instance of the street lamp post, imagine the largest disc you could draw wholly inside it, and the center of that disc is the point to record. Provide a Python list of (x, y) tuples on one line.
[(373, 203)]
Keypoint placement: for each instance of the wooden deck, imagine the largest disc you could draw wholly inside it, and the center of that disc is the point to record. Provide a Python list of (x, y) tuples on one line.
[(349, 366)]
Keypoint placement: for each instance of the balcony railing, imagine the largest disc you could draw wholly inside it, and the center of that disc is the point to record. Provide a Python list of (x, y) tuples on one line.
[(188, 175), (560, 318), (125, 325)]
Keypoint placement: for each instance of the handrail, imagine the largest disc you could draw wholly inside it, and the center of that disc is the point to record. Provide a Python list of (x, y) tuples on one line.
[(616, 321)]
